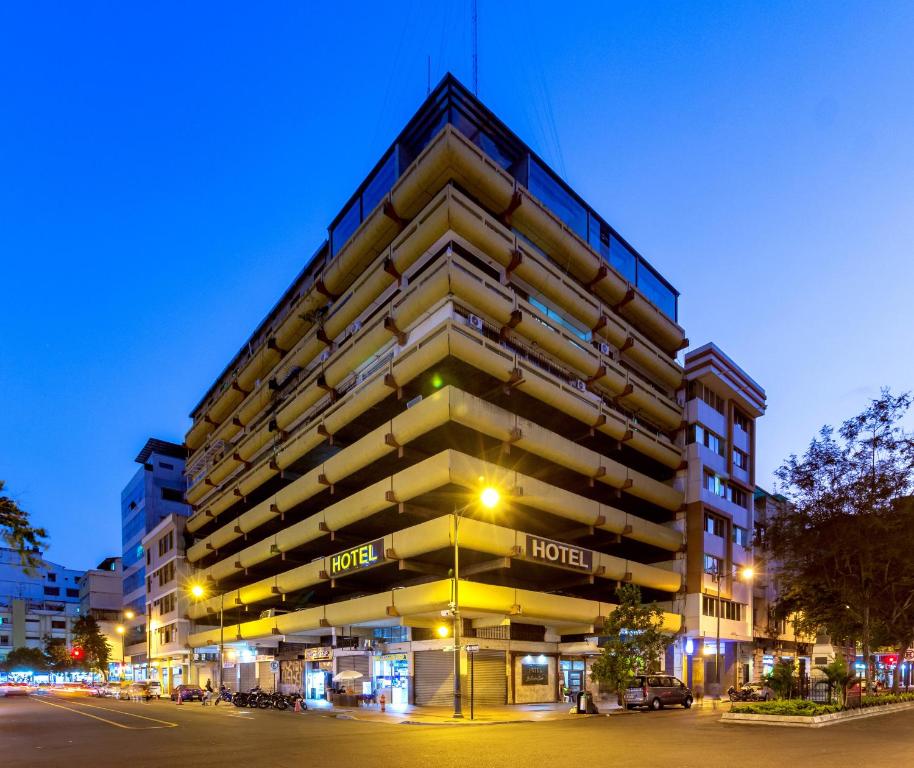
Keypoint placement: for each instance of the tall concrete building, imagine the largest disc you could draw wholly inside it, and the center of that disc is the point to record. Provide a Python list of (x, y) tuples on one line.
[(37, 605), (470, 322), (155, 492), (722, 403)]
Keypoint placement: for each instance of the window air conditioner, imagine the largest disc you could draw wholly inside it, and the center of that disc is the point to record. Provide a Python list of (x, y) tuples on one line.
[(355, 327), (474, 322), (580, 384), (604, 349), (325, 356)]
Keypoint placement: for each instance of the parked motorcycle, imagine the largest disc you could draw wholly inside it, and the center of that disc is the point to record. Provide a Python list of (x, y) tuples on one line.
[(748, 693), (293, 697)]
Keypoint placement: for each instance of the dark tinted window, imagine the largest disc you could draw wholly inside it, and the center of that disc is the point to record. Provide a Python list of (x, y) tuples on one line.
[(653, 681), (348, 223), (380, 184), (557, 199)]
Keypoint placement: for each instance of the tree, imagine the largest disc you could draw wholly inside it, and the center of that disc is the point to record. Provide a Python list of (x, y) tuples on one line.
[(843, 542), (22, 659), (96, 650), (633, 641), (18, 532), (57, 655), (839, 678)]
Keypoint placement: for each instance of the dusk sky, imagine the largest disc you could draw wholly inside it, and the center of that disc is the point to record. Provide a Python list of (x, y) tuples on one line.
[(167, 169)]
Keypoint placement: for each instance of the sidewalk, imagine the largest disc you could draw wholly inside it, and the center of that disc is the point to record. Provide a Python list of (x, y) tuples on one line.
[(407, 714)]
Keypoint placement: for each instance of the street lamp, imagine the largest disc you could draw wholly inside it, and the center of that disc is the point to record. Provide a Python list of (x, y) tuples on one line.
[(121, 629), (489, 497), (197, 591), (746, 573)]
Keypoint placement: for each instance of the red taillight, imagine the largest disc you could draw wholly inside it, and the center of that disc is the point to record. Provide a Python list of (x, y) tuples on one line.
[(644, 690)]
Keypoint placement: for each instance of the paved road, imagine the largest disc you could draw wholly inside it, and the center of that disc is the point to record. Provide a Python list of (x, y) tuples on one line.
[(73, 732)]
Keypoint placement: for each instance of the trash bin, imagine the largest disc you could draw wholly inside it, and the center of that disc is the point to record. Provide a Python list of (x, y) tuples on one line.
[(582, 702)]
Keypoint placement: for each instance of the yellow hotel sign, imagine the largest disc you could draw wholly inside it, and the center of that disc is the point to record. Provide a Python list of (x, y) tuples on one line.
[(357, 558)]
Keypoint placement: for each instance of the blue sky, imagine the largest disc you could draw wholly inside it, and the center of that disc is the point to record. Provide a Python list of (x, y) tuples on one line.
[(166, 169)]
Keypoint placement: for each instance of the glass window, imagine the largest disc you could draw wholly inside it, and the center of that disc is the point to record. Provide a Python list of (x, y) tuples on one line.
[(52, 577), (544, 187), (708, 395), (713, 565), (714, 524), (741, 421), (715, 484), (348, 223), (559, 320), (622, 259), (738, 497), (708, 439), (740, 536), (740, 459), (380, 184), (655, 291), (52, 591)]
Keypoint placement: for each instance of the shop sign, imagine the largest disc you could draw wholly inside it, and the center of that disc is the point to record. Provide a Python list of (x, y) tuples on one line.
[(264, 657), (534, 674), (557, 553), (323, 653), (357, 558), (393, 657)]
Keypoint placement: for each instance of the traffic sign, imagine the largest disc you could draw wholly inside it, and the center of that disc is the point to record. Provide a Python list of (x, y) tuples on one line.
[(473, 648)]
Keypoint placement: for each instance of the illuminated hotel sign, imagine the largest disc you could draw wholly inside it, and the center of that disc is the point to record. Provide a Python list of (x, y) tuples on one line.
[(557, 553), (356, 558)]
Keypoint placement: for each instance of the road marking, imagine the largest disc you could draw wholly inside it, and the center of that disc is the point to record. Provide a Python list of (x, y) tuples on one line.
[(165, 723)]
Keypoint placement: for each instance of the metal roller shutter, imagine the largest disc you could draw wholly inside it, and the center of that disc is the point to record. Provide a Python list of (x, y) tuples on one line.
[(358, 663), (434, 677), (490, 678)]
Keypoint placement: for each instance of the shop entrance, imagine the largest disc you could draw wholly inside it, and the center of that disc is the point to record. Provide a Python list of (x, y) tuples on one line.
[(391, 673), (572, 675)]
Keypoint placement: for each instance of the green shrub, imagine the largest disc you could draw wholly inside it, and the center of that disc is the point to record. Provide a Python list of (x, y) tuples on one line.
[(802, 708)]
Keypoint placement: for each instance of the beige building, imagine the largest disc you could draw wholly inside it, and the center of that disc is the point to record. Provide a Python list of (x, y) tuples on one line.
[(470, 323), (170, 659)]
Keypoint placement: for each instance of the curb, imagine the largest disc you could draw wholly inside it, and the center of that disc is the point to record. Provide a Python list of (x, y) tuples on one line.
[(816, 721)]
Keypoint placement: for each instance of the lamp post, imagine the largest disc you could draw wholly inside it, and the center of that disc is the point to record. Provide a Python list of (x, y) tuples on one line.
[(747, 573), (120, 629), (199, 591), (489, 498)]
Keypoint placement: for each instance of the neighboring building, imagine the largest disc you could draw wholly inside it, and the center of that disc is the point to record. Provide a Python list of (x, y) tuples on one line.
[(36, 606), (101, 596), (167, 577), (470, 321), (722, 403), (155, 492)]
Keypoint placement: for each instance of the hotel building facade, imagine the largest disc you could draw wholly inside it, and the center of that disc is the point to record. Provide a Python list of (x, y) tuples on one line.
[(469, 322)]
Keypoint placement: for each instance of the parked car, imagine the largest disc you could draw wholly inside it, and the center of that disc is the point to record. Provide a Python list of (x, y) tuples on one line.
[(15, 689), (656, 692), (145, 690), (187, 693)]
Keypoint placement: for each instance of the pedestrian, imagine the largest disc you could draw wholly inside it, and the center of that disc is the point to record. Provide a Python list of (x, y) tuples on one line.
[(207, 692), (222, 692)]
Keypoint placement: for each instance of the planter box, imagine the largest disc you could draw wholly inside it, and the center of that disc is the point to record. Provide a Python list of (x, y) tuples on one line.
[(817, 721)]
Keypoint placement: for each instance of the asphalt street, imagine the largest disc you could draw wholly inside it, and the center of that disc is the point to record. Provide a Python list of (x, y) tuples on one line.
[(67, 731)]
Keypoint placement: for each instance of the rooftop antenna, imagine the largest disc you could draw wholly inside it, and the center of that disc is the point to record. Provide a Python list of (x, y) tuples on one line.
[(428, 79), (475, 24)]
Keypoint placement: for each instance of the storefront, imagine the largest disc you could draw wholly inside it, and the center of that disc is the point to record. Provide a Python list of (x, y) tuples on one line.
[(534, 678), (391, 677), (318, 671)]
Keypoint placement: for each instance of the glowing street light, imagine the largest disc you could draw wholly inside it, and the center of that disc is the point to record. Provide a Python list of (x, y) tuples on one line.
[(197, 591), (489, 498), (120, 629)]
